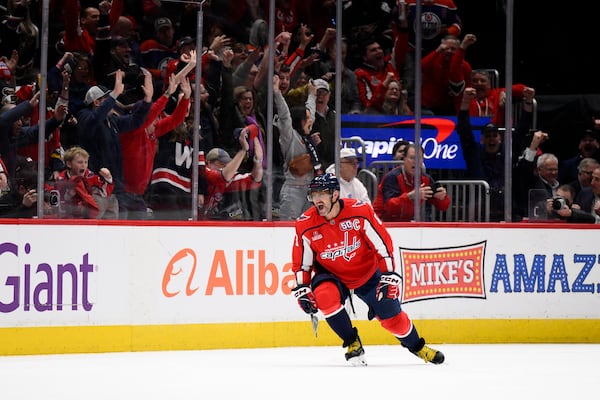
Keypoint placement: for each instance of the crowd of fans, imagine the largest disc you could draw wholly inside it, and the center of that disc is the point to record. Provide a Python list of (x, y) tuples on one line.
[(120, 109)]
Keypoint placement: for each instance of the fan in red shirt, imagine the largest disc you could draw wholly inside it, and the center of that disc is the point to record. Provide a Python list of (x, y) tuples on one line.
[(446, 74), (373, 72), (3, 178), (398, 152), (222, 172), (185, 46), (489, 101), (342, 246), (81, 189), (398, 191), (139, 145), (81, 26)]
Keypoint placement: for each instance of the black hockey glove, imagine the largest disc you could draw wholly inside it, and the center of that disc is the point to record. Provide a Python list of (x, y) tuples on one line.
[(388, 286), (306, 299)]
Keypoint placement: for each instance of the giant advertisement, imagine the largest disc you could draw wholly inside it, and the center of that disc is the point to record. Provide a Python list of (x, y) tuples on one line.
[(123, 275)]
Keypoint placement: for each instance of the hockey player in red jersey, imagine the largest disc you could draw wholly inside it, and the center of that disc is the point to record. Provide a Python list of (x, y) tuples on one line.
[(342, 246)]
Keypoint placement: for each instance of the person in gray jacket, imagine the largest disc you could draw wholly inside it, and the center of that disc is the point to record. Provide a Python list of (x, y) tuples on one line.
[(301, 162)]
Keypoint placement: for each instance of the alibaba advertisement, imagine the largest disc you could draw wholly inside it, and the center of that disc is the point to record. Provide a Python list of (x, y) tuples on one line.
[(439, 139), (152, 275)]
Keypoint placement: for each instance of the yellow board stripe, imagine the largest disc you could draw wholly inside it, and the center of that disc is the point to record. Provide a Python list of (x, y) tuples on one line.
[(102, 339)]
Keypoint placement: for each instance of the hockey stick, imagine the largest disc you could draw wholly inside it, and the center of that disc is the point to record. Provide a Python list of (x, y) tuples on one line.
[(315, 323)]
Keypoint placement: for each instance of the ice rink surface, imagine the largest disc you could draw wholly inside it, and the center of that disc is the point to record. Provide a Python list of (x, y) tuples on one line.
[(532, 371)]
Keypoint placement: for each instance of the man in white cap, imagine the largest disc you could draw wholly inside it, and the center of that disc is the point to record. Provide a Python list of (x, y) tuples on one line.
[(350, 186), (96, 93), (99, 129), (323, 117)]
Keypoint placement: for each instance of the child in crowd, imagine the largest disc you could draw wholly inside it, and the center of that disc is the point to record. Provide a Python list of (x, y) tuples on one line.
[(84, 194)]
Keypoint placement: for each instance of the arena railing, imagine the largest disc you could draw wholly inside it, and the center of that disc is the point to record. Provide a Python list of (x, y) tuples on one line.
[(470, 201)]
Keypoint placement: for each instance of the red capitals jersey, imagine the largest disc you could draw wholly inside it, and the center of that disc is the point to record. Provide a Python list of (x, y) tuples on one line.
[(351, 246), (368, 79), (218, 186)]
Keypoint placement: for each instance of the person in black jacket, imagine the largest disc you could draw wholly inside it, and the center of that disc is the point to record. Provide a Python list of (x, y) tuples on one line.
[(485, 160), (19, 199), (14, 134), (114, 53), (589, 197), (561, 207), (100, 127)]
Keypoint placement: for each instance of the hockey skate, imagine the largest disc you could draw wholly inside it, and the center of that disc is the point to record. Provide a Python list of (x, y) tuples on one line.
[(356, 354), (429, 355)]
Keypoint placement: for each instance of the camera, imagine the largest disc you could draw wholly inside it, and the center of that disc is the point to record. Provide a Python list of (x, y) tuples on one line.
[(52, 197), (558, 203), (435, 186), (9, 96), (9, 99), (70, 65)]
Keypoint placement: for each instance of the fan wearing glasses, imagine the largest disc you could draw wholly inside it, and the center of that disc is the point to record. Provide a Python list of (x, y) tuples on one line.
[(350, 186)]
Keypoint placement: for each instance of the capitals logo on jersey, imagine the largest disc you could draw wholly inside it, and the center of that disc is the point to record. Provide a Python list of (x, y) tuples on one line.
[(345, 249)]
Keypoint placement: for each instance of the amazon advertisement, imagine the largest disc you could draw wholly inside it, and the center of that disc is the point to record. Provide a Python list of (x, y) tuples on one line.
[(118, 275), (439, 139)]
